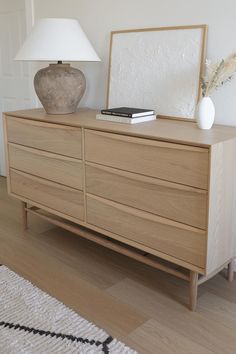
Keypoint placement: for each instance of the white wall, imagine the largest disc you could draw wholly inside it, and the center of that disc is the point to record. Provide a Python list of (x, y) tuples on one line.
[(99, 17)]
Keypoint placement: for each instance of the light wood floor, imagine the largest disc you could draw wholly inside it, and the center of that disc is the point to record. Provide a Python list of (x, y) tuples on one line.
[(141, 306)]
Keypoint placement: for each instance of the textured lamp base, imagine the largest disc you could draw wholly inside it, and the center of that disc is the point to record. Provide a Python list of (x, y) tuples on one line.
[(59, 88)]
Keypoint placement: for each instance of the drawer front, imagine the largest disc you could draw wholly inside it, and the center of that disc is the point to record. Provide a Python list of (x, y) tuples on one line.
[(160, 234), (45, 136), (173, 201), (52, 195), (172, 162), (57, 168)]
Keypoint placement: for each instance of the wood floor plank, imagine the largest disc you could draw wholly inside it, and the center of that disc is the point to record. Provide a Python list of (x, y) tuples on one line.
[(197, 326), (218, 310), (75, 251), (154, 337), (222, 288)]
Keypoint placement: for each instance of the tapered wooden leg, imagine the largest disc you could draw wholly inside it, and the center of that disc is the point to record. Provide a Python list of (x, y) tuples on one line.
[(231, 270), (193, 286), (24, 215)]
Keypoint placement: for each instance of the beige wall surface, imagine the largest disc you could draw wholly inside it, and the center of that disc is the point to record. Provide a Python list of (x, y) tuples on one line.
[(99, 17)]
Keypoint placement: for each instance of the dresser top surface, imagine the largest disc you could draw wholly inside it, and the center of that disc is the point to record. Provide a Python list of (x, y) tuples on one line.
[(161, 129)]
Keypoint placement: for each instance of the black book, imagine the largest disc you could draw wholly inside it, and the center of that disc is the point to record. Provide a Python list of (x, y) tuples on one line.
[(128, 112)]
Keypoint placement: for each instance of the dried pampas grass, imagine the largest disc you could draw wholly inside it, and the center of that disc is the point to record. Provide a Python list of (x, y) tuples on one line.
[(218, 74)]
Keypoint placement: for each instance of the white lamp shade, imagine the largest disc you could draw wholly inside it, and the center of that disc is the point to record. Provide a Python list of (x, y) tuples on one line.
[(57, 39)]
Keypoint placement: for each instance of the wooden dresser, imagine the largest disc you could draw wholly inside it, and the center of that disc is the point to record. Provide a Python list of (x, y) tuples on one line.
[(161, 192)]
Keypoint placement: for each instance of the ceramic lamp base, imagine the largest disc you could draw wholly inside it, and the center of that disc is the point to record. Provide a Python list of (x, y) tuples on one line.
[(60, 88)]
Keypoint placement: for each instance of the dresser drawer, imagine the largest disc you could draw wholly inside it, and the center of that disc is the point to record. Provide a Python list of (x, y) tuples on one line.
[(172, 162), (55, 138), (171, 200), (57, 168), (182, 242), (49, 194)]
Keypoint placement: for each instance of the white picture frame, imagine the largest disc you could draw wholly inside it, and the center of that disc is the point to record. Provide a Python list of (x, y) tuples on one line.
[(157, 68)]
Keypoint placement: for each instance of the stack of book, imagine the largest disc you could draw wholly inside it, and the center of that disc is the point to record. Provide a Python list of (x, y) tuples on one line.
[(127, 115)]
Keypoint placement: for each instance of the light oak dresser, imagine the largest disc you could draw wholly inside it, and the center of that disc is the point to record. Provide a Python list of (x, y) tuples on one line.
[(161, 192)]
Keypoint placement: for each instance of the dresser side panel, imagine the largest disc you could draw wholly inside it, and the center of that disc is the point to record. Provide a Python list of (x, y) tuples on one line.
[(221, 243)]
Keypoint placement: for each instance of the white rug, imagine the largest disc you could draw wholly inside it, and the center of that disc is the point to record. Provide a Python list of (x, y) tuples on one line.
[(32, 322)]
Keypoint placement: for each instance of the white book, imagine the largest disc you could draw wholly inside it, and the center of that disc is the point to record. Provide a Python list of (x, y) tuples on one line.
[(118, 119)]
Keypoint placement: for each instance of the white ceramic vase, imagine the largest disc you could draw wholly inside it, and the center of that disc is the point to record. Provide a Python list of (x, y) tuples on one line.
[(205, 113)]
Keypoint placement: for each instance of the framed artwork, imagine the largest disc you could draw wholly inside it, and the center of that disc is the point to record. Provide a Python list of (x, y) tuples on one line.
[(157, 68)]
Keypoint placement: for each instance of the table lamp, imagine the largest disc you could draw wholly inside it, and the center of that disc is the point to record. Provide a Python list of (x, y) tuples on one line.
[(59, 87)]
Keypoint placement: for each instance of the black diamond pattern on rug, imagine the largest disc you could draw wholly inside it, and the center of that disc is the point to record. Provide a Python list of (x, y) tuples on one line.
[(70, 337)]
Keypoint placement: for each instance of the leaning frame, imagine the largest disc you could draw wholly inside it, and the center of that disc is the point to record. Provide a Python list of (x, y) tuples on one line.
[(202, 52)]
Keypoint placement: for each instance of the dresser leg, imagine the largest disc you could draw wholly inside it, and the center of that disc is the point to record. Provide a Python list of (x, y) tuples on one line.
[(24, 215), (193, 286), (231, 270)]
